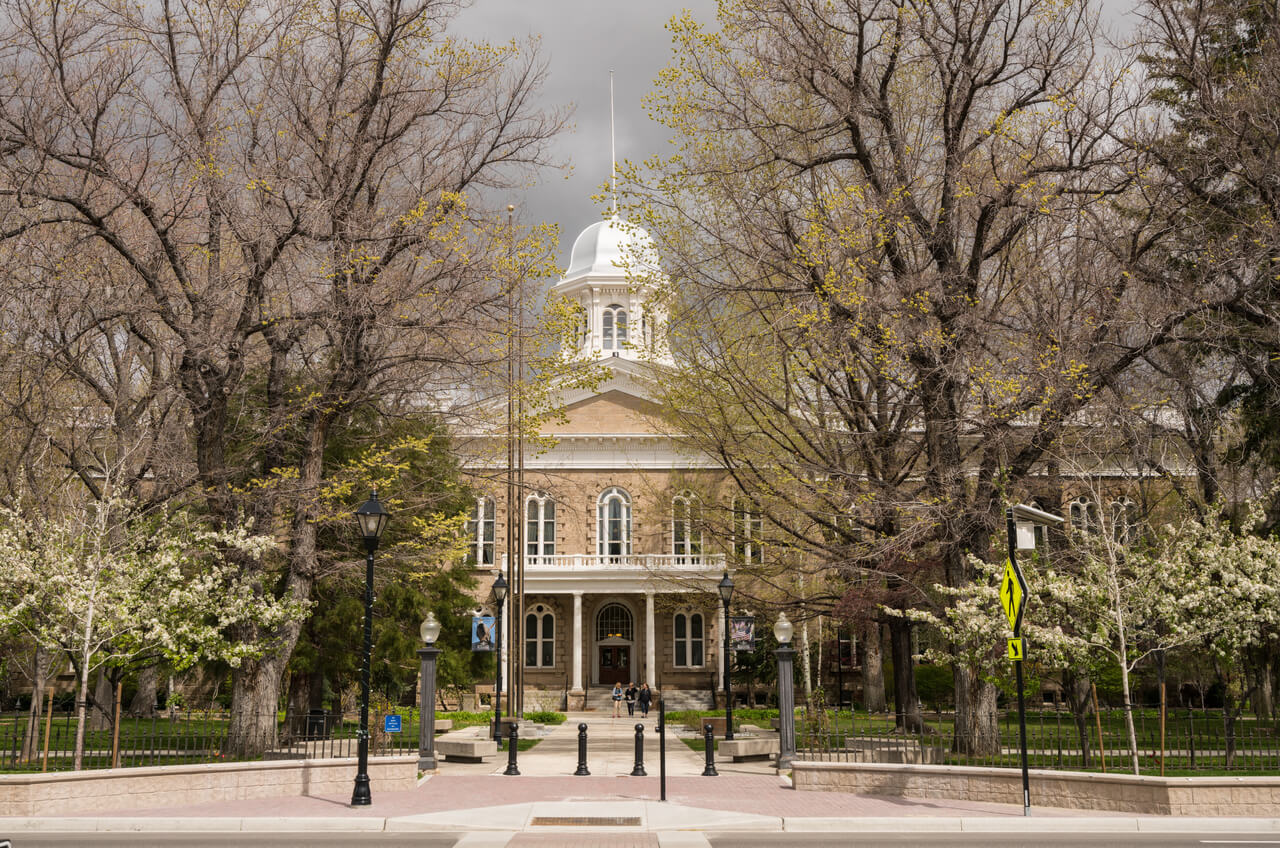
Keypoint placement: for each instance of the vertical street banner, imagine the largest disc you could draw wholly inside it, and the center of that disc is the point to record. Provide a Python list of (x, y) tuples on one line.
[(482, 633), (742, 632)]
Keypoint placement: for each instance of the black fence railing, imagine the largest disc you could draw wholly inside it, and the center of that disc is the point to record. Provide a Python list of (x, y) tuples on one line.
[(174, 738), (1191, 742)]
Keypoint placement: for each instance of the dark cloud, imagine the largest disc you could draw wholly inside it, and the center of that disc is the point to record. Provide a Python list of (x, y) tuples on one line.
[(581, 41)]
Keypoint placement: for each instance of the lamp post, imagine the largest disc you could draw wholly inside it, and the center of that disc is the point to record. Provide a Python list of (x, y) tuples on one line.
[(499, 595), (726, 594), (373, 520), (782, 630), (429, 631)]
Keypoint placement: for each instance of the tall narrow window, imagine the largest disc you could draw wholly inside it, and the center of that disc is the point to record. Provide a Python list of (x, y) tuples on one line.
[(1083, 514), (539, 637), (614, 327), (688, 633), (540, 526), (686, 528), (748, 527), (480, 532), (613, 523), (1124, 521)]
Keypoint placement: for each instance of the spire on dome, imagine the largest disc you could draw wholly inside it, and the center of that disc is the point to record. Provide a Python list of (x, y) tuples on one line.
[(613, 154)]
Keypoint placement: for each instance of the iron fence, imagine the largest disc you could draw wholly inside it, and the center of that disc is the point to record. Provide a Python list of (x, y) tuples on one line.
[(1188, 741), (178, 737)]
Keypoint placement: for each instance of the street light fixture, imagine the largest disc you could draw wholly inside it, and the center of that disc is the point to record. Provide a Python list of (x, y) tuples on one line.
[(499, 595), (782, 631), (430, 631), (373, 520), (725, 588)]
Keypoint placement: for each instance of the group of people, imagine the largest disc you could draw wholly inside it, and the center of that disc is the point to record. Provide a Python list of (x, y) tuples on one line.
[(631, 696)]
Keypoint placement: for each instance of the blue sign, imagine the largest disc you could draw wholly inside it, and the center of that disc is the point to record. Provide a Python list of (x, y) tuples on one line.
[(391, 724)]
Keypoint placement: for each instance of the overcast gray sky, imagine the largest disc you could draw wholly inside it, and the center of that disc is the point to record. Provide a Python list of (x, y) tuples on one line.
[(581, 41)]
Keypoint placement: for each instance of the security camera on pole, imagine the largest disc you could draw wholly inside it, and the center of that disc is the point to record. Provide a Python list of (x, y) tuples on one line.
[(1020, 521)]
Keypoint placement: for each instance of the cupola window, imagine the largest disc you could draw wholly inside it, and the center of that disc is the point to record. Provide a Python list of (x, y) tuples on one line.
[(614, 327)]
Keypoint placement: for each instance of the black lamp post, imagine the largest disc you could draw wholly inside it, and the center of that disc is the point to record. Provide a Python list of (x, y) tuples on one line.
[(726, 594), (373, 520), (499, 595)]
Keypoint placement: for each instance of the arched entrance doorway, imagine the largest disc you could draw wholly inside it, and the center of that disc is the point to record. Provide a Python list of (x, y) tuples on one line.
[(615, 640)]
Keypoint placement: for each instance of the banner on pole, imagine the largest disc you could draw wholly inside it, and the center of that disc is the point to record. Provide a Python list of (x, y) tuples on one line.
[(482, 633), (742, 632)]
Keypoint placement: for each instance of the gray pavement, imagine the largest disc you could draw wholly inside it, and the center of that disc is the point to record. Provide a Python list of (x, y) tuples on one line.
[(475, 806)]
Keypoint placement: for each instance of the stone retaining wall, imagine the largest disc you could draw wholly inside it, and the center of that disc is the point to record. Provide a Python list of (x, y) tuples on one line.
[(1179, 796), (70, 793)]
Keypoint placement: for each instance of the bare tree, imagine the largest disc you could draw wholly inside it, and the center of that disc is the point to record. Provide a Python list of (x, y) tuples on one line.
[(290, 201)]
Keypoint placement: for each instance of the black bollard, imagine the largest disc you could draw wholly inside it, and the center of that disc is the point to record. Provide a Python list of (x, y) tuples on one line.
[(662, 749), (582, 751), (708, 737), (639, 771), (512, 744)]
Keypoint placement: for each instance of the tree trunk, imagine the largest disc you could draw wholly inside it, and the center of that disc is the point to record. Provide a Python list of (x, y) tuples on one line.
[(143, 704), (805, 676), (39, 672), (907, 713), (1076, 688), (100, 706), (1128, 711), (873, 697), (977, 732), (1263, 700)]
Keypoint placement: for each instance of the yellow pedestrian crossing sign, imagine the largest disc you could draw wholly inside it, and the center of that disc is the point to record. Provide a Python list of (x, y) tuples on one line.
[(1016, 651), (1013, 594)]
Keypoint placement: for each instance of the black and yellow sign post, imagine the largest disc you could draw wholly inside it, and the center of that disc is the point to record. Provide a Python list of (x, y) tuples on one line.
[(1013, 597)]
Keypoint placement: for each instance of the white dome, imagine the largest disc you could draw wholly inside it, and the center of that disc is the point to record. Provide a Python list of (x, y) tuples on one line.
[(606, 247)]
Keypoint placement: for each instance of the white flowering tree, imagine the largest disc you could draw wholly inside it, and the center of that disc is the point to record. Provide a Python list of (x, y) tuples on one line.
[(1202, 584), (105, 583)]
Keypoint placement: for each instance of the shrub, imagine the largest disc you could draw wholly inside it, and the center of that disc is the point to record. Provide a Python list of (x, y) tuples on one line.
[(546, 717)]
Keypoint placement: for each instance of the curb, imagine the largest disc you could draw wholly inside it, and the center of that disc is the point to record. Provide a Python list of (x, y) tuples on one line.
[(864, 826)]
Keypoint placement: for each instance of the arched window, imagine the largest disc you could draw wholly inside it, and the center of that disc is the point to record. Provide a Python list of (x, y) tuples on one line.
[(748, 527), (539, 637), (686, 527), (1124, 521), (480, 532), (613, 523), (1083, 514), (689, 635), (540, 526), (614, 327), (613, 622)]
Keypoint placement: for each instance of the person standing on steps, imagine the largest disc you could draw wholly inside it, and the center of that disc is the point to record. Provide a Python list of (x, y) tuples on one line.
[(630, 696), (617, 699), (646, 699)]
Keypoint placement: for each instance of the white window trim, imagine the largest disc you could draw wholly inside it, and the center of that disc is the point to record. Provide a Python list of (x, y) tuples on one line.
[(688, 639), (610, 337), (540, 499), (748, 527), (477, 523), (692, 551), (1083, 515), (602, 521)]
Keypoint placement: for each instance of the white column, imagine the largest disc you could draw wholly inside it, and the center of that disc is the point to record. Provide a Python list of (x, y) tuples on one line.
[(650, 646), (577, 641)]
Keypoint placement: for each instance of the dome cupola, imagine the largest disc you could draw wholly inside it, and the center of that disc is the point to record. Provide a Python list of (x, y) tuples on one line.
[(611, 274)]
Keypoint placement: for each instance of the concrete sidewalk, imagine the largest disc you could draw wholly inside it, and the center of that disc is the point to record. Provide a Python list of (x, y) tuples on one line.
[(547, 799)]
